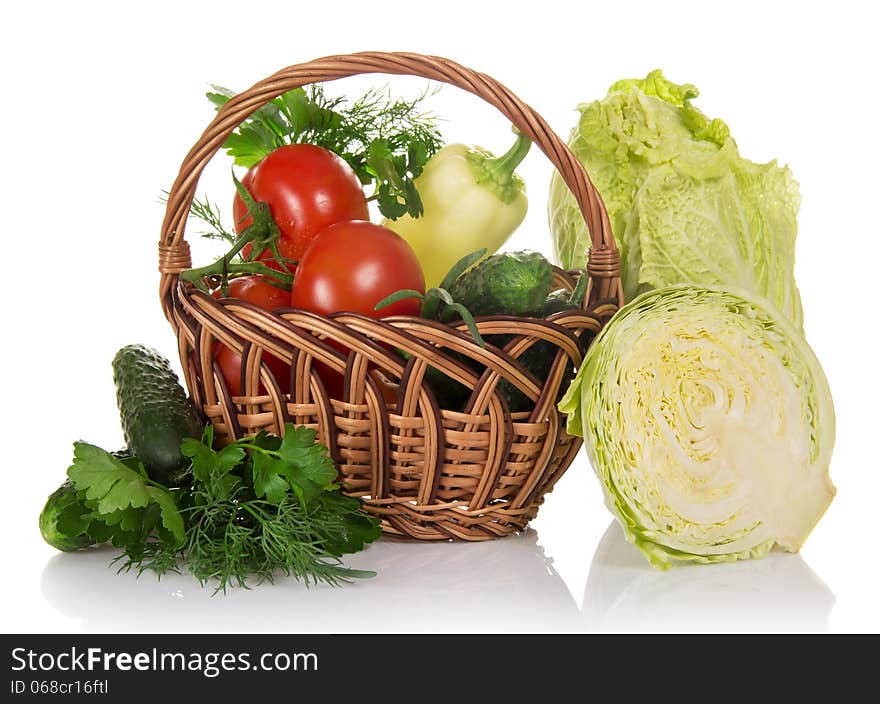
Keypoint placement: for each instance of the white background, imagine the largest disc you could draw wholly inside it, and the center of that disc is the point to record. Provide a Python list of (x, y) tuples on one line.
[(100, 101)]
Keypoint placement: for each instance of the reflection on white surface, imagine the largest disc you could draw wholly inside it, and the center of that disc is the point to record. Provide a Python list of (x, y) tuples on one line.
[(498, 586), (776, 593)]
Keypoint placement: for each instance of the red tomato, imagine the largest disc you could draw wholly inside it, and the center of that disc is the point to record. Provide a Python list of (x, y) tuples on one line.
[(256, 290), (334, 382), (307, 188), (351, 266), (230, 367)]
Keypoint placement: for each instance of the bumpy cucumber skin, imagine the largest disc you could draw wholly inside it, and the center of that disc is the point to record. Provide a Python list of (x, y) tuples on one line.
[(156, 415), (510, 283), (538, 359), (60, 499)]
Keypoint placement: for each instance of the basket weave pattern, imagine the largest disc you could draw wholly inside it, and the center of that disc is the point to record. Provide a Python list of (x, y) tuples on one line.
[(430, 473)]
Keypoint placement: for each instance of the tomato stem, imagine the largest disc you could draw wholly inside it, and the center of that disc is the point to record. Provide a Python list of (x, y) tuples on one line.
[(223, 269), (261, 234)]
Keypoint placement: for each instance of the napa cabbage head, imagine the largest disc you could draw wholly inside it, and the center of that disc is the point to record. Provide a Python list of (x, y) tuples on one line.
[(684, 206), (709, 422)]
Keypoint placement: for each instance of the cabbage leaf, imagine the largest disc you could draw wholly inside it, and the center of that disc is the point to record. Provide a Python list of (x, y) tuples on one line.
[(710, 424), (684, 206)]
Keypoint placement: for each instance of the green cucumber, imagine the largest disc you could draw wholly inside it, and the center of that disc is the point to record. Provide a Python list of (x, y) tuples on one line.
[(510, 283), (64, 504), (155, 412), (538, 359)]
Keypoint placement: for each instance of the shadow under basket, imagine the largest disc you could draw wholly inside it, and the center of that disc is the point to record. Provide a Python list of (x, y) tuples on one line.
[(429, 468)]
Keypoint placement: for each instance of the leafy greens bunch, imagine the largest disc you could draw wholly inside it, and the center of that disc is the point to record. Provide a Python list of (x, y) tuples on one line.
[(259, 507), (387, 141)]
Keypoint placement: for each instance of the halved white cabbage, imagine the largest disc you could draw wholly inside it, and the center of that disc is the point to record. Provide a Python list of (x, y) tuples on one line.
[(709, 421)]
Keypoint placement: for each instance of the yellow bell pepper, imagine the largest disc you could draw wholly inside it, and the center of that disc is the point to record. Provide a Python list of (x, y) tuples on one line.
[(472, 200)]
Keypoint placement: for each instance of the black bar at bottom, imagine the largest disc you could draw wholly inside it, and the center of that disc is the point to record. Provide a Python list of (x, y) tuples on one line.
[(166, 668)]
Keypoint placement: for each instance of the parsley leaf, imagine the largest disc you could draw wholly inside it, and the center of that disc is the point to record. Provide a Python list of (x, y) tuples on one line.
[(387, 141), (114, 492), (213, 469), (269, 480), (295, 463), (259, 507), (345, 528), (309, 466)]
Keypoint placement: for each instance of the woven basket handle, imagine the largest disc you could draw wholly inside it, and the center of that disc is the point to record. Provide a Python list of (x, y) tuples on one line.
[(174, 254)]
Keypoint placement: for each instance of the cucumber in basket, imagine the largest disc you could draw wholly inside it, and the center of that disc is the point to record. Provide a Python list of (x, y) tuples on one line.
[(155, 412), (509, 283)]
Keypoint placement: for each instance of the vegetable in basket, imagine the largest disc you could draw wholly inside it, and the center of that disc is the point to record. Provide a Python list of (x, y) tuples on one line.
[(307, 189), (280, 206), (710, 424), (538, 359), (510, 283), (685, 207), (260, 239), (386, 141), (518, 283), (351, 267), (471, 198), (260, 291)]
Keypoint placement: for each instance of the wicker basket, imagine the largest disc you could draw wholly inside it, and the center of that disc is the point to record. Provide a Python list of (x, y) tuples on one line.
[(429, 473)]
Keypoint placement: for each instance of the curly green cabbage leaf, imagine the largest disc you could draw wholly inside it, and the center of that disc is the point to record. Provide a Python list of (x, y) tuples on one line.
[(710, 424), (685, 207)]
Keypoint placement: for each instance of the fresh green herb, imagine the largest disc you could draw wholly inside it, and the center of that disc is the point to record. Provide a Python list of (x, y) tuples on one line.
[(294, 462), (257, 508), (209, 214), (269, 505), (119, 503), (240, 541), (262, 234), (387, 141)]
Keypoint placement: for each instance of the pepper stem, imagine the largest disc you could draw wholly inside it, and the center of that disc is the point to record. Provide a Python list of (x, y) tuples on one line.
[(502, 167), (498, 173)]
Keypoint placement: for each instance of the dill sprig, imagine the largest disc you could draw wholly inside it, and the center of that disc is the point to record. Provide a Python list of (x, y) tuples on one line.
[(209, 214), (243, 541), (386, 140), (259, 508)]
